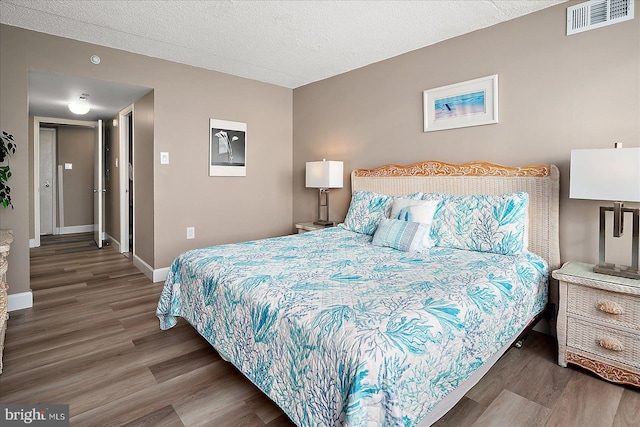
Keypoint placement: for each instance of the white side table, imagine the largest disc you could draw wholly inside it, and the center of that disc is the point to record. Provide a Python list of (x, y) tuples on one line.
[(599, 323), (303, 227)]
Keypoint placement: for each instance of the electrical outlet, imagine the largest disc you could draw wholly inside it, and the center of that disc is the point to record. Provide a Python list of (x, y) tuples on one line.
[(164, 158), (191, 233)]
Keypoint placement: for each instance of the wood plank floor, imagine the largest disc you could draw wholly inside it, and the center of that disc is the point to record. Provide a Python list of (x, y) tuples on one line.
[(92, 341)]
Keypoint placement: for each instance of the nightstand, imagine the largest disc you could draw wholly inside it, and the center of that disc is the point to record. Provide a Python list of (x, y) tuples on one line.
[(599, 323), (303, 227)]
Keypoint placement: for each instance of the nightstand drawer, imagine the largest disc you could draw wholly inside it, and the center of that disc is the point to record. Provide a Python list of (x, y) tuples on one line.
[(603, 305), (607, 342)]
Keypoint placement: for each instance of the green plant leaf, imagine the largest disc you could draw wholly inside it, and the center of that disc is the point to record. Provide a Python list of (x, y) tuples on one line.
[(7, 147)]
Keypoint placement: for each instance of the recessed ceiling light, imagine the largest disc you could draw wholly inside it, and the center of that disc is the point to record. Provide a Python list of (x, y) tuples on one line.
[(95, 59)]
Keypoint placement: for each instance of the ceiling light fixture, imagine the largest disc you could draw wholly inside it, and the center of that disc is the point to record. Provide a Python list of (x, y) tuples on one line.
[(95, 59), (81, 106)]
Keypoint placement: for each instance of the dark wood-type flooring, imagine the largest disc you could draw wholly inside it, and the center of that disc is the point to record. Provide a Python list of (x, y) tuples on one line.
[(92, 340)]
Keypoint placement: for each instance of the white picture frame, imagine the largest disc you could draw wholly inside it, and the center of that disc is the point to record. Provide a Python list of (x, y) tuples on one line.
[(470, 103), (227, 148)]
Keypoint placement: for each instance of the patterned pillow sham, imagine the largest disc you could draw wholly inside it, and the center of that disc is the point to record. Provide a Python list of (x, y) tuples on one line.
[(368, 208), (484, 223), (402, 235)]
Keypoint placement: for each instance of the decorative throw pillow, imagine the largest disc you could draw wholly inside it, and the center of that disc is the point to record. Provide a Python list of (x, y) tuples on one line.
[(402, 235), (400, 202), (485, 223), (414, 210), (366, 210)]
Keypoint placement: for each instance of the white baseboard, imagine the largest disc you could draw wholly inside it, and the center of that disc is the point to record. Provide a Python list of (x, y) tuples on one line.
[(33, 243), (20, 301), (112, 241), (146, 269), (160, 275), (75, 229)]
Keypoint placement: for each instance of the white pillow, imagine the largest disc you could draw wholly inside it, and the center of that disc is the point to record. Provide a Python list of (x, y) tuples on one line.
[(421, 211)]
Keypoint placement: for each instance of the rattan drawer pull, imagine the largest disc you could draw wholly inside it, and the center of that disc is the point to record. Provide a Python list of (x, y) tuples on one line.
[(610, 344), (609, 307)]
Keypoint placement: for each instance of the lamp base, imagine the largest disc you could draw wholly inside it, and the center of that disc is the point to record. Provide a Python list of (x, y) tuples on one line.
[(630, 272), (617, 270), (324, 223)]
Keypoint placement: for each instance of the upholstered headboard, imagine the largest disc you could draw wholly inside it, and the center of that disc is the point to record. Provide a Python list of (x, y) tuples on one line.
[(541, 182)]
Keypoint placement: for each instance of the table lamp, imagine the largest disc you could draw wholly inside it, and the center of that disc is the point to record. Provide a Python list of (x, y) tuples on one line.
[(610, 174), (323, 176)]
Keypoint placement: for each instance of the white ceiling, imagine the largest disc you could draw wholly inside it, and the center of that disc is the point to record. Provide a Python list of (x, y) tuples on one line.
[(287, 43)]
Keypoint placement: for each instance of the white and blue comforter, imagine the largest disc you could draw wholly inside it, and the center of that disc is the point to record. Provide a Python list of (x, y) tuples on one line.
[(340, 332)]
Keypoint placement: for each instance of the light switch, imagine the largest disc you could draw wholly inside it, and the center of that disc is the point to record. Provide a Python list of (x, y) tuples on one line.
[(191, 233), (164, 158), (68, 165)]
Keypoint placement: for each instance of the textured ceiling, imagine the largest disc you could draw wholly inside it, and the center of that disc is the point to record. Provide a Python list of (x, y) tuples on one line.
[(287, 43)]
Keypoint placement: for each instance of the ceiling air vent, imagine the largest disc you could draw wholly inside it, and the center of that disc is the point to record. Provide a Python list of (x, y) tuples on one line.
[(597, 13)]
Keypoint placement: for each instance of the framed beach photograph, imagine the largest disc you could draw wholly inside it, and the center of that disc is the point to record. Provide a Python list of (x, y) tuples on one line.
[(227, 148), (470, 103)]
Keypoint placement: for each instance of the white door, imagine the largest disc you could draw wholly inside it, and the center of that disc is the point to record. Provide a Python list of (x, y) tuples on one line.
[(126, 178), (98, 188), (47, 180)]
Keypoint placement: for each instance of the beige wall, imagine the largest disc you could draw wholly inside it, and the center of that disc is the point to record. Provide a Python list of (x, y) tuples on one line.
[(76, 145), (143, 180), (556, 93), (14, 119), (221, 209)]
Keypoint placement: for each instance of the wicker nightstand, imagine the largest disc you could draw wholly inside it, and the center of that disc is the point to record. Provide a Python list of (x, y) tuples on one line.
[(599, 323), (6, 238), (303, 227)]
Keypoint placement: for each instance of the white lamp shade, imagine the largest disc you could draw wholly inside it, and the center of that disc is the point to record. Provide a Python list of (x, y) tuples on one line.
[(606, 174), (324, 174)]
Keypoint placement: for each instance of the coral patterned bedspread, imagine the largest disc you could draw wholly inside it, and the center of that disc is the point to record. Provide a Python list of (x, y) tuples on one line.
[(340, 332)]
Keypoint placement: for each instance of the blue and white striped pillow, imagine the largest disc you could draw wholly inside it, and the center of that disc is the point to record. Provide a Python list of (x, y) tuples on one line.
[(402, 235)]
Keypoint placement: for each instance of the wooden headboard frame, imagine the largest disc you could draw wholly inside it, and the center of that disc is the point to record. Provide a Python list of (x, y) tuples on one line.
[(540, 181)]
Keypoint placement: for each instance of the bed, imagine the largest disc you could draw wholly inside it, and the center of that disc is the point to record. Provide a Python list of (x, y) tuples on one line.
[(352, 326)]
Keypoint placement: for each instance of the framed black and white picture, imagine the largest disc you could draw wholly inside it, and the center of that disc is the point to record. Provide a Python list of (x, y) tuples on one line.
[(227, 148)]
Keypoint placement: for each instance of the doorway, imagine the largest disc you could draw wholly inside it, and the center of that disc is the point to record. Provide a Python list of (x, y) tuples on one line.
[(47, 184), (38, 124)]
